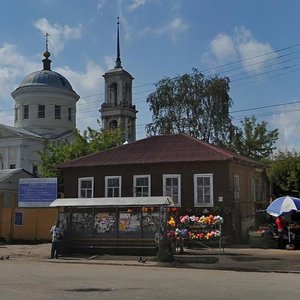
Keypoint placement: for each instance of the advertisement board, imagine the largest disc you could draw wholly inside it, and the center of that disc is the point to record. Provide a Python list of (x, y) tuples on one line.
[(37, 192)]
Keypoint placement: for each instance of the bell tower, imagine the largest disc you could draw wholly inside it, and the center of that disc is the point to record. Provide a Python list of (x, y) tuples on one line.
[(117, 112)]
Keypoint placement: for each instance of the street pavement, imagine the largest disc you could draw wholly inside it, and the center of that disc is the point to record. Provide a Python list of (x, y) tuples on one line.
[(242, 258)]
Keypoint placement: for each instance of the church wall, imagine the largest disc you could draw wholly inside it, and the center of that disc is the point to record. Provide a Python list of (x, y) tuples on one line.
[(20, 152), (48, 97), (30, 156)]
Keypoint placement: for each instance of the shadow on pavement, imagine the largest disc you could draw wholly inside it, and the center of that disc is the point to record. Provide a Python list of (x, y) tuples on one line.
[(195, 259)]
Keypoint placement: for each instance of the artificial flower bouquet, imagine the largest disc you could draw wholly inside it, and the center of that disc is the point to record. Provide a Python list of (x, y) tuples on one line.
[(203, 221), (171, 222), (195, 228), (205, 235)]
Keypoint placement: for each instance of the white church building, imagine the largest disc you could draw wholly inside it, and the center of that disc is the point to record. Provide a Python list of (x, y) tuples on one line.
[(45, 110)]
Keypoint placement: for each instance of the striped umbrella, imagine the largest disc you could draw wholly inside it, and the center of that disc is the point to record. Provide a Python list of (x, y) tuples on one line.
[(283, 205)]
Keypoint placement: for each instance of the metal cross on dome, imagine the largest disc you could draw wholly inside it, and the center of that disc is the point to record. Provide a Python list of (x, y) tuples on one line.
[(47, 36)]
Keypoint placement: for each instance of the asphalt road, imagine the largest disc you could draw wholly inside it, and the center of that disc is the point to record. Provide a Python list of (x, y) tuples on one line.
[(37, 280)]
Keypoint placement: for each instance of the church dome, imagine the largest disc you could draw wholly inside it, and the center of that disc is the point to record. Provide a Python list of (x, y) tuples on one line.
[(46, 78)]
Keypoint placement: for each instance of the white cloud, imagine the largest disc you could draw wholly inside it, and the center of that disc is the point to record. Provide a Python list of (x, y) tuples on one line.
[(175, 26), (109, 62), (249, 47), (172, 29), (136, 4), (100, 4), (13, 67), (222, 47), (87, 82), (90, 86), (59, 35), (288, 124), (125, 28), (242, 45)]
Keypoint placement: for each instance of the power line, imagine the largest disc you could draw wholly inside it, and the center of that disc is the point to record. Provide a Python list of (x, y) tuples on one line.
[(239, 79), (266, 106), (249, 58)]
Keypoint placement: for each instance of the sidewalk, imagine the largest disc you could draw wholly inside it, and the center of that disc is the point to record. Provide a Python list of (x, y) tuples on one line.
[(233, 259)]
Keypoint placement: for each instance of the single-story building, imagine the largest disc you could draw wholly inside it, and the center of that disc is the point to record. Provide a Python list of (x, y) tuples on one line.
[(201, 178), (17, 223)]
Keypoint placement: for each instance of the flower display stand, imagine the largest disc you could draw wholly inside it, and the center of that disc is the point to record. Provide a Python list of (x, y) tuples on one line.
[(201, 230)]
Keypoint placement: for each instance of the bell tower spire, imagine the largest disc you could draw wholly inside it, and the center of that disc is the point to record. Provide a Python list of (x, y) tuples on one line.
[(118, 59), (117, 111)]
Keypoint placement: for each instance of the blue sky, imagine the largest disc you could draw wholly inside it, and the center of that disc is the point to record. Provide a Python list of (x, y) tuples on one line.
[(255, 43)]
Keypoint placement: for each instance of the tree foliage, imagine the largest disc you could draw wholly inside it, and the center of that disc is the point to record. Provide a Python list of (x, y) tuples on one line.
[(191, 104), (253, 139), (284, 173), (90, 142)]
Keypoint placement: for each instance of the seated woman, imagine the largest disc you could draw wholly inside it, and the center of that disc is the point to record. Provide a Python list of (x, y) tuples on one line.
[(282, 231)]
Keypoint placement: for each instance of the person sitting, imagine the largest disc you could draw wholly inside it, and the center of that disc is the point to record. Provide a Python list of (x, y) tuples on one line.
[(281, 228)]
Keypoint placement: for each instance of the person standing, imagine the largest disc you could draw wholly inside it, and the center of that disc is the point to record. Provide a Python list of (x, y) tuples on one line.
[(56, 234), (280, 223)]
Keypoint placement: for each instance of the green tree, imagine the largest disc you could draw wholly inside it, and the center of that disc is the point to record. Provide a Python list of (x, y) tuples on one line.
[(91, 141), (253, 139), (103, 139), (192, 104), (284, 173)]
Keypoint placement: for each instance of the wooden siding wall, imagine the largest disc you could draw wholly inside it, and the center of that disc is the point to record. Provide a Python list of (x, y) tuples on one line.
[(245, 208), (238, 216), (187, 170)]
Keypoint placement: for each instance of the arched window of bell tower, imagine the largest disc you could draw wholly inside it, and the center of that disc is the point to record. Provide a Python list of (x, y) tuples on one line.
[(113, 93), (113, 124), (127, 93)]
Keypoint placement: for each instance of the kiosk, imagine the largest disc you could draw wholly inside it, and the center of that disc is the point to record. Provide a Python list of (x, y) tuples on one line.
[(115, 225)]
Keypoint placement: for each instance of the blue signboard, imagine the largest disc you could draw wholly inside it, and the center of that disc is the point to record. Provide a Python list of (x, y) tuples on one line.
[(37, 192)]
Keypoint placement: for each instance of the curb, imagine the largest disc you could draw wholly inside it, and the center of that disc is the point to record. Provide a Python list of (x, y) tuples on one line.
[(169, 265)]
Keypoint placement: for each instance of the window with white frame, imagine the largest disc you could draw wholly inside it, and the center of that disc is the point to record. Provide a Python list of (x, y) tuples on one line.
[(57, 112), (141, 185), (16, 113), (70, 114), (113, 186), (172, 187), (203, 190), (86, 187), (41, 111), (26, 112), (236, 187)]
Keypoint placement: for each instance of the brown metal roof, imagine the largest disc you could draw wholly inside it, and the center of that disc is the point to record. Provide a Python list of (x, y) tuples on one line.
[(158, 149)]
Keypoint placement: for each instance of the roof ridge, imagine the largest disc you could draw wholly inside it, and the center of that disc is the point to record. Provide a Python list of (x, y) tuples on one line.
[(9, 172), (20, 131), (211, 146), (179, 147), (224, 151)]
